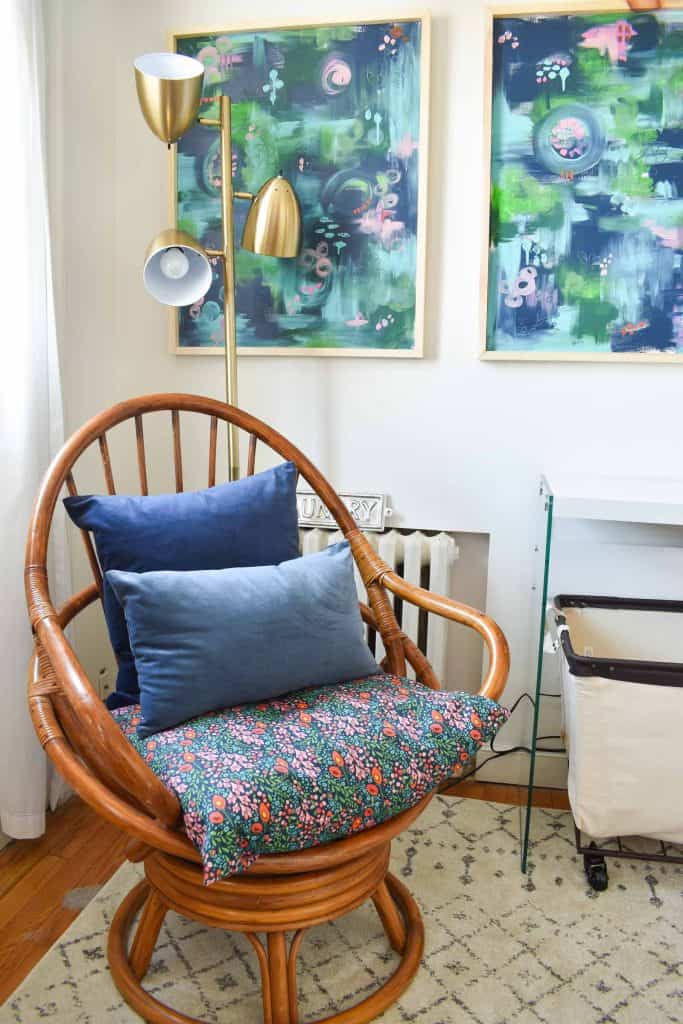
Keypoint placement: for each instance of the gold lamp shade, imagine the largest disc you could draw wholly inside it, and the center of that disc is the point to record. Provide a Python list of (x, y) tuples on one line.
[(273, 226), (169, 89)]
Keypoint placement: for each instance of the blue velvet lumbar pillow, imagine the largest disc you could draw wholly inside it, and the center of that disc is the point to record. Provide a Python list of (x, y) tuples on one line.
[(252, 521), (216, 638)]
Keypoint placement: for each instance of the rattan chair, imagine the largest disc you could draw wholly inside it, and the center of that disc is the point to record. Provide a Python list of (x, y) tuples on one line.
[(280, 893)]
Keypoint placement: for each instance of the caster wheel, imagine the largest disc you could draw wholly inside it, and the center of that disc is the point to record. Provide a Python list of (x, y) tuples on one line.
[(596, 871)]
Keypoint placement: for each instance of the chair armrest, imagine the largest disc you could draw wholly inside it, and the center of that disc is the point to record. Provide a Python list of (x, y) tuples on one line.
[(496, 644)]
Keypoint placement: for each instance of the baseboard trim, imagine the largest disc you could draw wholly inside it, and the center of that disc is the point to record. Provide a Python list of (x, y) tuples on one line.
[(550, 771)]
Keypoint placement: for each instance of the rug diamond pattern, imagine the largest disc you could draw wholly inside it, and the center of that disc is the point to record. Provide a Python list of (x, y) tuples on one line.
[(501, 948)]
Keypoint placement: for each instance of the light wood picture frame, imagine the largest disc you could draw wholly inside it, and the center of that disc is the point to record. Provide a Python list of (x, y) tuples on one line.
[(368, 214), (610, 288)]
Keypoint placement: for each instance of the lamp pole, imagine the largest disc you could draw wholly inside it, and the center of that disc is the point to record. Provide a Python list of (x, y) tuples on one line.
[(227, 254)]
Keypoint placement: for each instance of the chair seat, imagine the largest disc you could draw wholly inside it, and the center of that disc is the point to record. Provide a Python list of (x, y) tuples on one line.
[(311, 767)]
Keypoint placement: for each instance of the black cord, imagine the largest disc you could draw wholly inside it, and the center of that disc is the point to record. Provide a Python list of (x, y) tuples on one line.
[(522, 696), (521, 748), (454, 781)]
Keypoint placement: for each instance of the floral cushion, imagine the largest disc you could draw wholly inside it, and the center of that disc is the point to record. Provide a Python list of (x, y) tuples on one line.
[(311, 767)]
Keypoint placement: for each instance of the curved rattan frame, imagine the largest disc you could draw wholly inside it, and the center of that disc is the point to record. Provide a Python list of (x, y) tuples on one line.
[(281, 892)]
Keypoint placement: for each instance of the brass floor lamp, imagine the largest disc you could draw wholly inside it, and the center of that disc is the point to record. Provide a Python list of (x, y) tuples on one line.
[(177, 268)]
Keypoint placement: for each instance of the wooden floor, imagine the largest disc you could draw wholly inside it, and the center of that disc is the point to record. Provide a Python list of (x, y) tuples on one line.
[(46, 882), (44, 885), (556, 799)]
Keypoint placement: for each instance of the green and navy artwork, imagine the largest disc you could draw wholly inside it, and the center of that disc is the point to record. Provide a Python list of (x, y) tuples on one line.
[(337, 110), (586, 213)]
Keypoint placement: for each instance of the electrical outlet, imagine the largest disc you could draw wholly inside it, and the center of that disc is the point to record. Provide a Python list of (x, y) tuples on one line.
[(104, 682)]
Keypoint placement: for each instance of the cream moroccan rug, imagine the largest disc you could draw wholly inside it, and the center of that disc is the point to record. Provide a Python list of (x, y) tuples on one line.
[(501, 948)]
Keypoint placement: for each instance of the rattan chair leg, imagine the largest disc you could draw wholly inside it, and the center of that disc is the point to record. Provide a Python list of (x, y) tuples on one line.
[(260, 951), (291, 976), (279, 980), (390, 917), (151, 920)]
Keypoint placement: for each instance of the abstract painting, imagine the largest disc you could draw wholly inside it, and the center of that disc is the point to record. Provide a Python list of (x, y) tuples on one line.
[(340, 110), (586, 200)]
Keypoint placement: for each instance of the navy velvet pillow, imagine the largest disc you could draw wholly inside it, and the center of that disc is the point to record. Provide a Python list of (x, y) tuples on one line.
[(212, 639), (252, 521)]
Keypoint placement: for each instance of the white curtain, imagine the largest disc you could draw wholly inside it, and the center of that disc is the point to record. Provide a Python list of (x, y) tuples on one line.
[(31, 411)]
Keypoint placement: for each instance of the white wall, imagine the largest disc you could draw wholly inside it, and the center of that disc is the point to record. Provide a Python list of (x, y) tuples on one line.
[(457, 443)]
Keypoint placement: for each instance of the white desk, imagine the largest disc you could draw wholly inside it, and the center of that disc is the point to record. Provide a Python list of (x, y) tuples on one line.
[(617, 498)]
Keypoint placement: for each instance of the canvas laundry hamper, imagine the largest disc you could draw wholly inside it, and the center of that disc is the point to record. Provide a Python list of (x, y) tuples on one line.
[(622, 697)]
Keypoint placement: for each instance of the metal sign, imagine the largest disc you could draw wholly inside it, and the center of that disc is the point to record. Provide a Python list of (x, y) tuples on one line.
[(369, 510)]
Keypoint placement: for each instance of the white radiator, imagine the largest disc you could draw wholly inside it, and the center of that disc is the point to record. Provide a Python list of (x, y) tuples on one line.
[(426, 560)]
